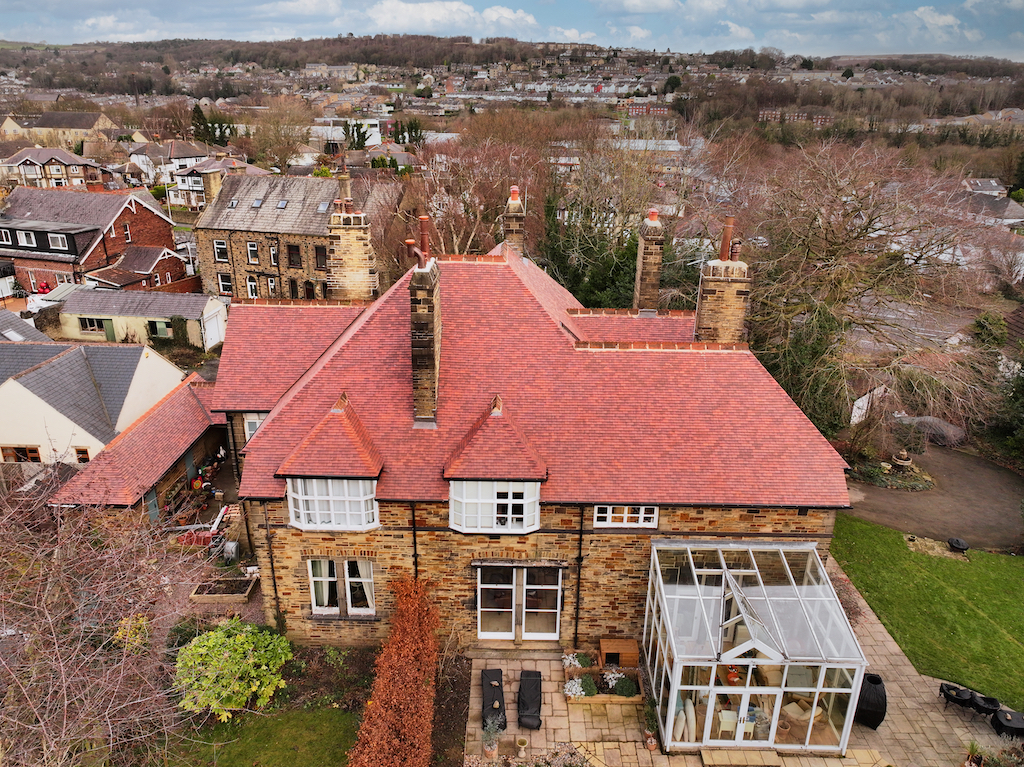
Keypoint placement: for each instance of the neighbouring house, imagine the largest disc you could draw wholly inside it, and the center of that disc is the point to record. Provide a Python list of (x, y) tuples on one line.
[(135, 316), (196, 184), (66, 129), (992, 187), (65, 402), (996, 211), (159, 161), (154, 459), (48, 168), (14, 328), (282, 237), (57, 236), (141, 267), (562, 474), (7, 279)]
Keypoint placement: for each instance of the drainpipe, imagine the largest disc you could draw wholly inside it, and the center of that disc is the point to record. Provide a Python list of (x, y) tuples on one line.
[(415, 550), (231, 447), (579, 581), (273, 571)]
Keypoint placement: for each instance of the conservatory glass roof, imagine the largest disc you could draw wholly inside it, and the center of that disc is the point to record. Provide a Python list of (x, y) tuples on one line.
[(778, 591)]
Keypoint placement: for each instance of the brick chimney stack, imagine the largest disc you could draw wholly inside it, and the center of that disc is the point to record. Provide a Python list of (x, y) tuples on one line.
[(425, 315), (724, 293), (513, 222), (351, 261), (649, 252)]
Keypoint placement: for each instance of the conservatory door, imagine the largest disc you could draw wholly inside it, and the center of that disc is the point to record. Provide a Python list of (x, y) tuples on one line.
[(741, 717)]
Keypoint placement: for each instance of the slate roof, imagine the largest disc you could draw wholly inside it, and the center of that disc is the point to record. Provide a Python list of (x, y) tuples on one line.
[(995, 207), (140, 455), (44, 155), (111, 275), (88, 209), (136, 303), (87, 384), (12, 323), (291, 336), (681, 424), (300, 216), (16, 357), (142, 259), (227, 164), (68, 120)]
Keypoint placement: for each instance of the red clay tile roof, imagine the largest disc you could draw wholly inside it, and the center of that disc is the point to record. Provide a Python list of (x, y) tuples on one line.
[(138, 457), (267, 348), (495, 448), (669, 426), (338, 446), (629, 326)]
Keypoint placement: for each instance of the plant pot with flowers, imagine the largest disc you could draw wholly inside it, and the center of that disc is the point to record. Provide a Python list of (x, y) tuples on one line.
[(491, 732)]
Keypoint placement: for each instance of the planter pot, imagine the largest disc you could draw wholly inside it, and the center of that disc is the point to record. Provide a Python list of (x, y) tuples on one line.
[(572, 673), (651, 743), (491, 752), (872, 703)]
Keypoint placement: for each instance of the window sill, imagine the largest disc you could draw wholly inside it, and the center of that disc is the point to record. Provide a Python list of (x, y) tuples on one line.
[(343, 618), (334, 529), (493, 531)]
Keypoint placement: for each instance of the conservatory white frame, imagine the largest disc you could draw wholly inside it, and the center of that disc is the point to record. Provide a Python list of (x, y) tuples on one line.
[(751, 627)]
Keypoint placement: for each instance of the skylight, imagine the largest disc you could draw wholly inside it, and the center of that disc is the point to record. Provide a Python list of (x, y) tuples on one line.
[(281, 205), (257, 202), (233, 204), (12, 335), (322, 207)]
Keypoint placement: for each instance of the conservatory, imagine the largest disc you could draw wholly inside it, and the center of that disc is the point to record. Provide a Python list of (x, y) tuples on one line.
[(746, 645)]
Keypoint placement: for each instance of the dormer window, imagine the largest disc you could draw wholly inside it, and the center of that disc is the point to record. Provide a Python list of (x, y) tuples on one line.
[(27, 239), (332, 504), (494, 507), (58, 241)]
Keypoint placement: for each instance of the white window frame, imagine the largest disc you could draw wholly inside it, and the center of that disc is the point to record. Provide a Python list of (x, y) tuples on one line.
[(220, 251), (626, 516), (251, 422), (489, 506), (73, 169), (127, 233), (156, 278), (90, 325), (168, 276), (272, 287), (225, 280), (253, 252), (56, 170), (273, 255), (5, 236), (57, 241), (328, 576), (26, 239), (62, 277), (252, 286), (330, 503)]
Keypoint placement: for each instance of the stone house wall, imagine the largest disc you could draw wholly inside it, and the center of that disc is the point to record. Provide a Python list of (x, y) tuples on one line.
[(612, 588)]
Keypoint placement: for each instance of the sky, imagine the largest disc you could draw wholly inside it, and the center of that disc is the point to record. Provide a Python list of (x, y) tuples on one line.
[(807, 27)]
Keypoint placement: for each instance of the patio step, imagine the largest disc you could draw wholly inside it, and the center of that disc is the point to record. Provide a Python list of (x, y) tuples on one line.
[(511, 651), (734, 757)]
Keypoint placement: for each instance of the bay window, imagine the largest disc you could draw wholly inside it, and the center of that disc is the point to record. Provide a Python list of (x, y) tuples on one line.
[(332, 504), (494, 506)]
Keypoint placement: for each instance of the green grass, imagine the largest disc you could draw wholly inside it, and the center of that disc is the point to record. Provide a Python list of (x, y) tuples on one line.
[(956, 620), (318, 737)]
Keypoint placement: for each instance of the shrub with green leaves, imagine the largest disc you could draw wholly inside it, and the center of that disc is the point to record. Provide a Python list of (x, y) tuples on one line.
[(224, 669), (589, 685), (626, 687)]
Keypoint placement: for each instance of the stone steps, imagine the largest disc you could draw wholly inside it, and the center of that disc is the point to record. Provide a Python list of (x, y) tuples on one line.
[(726, 757)]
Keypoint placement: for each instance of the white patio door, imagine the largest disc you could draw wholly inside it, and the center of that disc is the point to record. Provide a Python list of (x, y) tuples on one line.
[(519, 602)]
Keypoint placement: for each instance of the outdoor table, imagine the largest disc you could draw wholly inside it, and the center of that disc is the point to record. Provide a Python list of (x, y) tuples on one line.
[(1009, 723)]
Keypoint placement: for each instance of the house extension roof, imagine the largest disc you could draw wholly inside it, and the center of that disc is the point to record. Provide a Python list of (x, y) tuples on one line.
[(660, 422), (87, 209), (87, 384), (12, 326), (140, 455), (136, 303), (293, 336), (304, 213)]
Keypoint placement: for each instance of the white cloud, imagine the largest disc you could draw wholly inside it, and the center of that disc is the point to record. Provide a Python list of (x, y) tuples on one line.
[(1017, 37), (974, 35), (570, 35), (737, 32), (443, 16), (639, 6), (638, 33), (110, 28)]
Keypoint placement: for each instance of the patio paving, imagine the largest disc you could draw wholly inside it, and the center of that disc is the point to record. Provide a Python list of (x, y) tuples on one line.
[(917, 731)]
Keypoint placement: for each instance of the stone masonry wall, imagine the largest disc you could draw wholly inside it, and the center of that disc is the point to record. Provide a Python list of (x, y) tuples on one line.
[(615, 569)]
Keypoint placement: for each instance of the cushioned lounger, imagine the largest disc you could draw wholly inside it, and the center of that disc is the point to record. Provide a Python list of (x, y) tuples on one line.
[(529, 700), (493, 695)]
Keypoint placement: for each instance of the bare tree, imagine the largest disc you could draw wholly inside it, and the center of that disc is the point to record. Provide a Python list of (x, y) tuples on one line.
[(280, 130), (86, 601)]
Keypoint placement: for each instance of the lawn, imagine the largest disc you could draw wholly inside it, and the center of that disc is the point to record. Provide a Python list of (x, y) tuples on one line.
[(956, 620), (318, 737)]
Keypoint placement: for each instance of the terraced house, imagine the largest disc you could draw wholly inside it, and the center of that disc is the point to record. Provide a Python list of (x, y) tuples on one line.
[(561, 475)]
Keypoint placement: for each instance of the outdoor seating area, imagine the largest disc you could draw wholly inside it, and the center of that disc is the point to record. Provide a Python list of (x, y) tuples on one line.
[(1004, 722)]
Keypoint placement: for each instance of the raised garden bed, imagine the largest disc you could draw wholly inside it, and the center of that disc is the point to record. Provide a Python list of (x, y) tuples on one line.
[(605, 694), (224, 591)]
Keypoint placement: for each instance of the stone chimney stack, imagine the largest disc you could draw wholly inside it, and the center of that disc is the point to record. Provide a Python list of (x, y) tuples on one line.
[(648, 264), (344, 181), (212, 182), (513, 222), (724, 294), (425, 314), (351, 261)]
